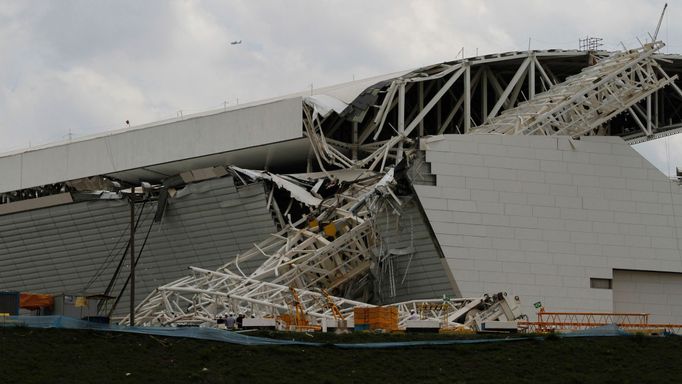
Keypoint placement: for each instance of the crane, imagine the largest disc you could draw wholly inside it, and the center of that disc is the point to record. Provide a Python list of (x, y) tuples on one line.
[(297, 314), (330, 304)]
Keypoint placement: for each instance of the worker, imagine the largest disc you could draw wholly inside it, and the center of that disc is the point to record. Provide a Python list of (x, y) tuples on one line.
[(240, 320), (413, 315), (229, 322)]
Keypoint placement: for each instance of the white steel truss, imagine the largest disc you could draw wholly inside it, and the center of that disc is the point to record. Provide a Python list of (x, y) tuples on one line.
[(307, 258), (585, 102), (203, 295), (332, 248), (333, 245), (457, 312), (467, 96)]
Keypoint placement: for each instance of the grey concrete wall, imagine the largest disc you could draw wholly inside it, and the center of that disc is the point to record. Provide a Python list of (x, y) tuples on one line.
[(62, 249), (540, 216), (420, 275)]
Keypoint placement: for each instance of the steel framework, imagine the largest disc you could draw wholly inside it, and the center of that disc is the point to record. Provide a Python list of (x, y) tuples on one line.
[(331, 248), (332, 245), (582, 104), (441, 99)]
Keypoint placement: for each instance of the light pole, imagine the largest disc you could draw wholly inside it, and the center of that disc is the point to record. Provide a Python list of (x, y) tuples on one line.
[(131, 200)]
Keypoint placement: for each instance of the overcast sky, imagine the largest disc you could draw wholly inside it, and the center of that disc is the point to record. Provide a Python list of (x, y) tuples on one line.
[(82, 67)]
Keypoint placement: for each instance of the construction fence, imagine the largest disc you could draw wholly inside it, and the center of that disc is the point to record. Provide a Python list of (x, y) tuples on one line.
[(213, 334)]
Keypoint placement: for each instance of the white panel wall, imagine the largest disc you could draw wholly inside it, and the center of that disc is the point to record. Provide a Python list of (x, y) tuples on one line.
[(539, 216), (656, 293), (153, 144)]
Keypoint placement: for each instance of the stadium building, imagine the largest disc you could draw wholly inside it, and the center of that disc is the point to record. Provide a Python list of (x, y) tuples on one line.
[(506, 172)]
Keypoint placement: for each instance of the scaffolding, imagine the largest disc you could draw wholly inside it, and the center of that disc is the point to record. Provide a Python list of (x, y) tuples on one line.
[(590, 43)]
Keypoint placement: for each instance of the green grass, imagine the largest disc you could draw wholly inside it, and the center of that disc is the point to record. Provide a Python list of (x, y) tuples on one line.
[(66, 356)]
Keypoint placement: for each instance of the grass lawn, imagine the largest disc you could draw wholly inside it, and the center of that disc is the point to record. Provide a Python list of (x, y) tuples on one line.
[(67, 356)]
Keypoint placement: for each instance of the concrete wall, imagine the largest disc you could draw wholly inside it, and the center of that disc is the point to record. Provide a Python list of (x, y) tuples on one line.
[(419, 275), (153, 144), (75, 248), (540, 216)]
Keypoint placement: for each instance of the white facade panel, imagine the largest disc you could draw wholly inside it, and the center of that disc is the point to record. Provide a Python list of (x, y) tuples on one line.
[(656, 293), (10, 169), (553, 213), (154, 144)]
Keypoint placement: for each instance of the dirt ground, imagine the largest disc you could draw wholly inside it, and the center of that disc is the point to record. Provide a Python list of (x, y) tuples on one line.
[(66, 356)]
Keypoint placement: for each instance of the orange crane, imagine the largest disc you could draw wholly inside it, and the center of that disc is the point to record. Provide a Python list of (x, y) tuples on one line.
[(297, 317), (570, 321), (330, 304)]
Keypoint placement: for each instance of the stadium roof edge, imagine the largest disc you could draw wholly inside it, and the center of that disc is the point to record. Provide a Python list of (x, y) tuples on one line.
[(262, 123)]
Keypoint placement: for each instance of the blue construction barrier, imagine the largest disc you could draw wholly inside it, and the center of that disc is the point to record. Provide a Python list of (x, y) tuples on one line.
[(61, 322), (427, 343), (604, 330)]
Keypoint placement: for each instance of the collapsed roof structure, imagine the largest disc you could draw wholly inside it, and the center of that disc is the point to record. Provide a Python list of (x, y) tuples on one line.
[(472, 176), (308, 255)]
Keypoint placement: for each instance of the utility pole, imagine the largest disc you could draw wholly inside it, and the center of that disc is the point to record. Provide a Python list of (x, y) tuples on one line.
[(131, 200)]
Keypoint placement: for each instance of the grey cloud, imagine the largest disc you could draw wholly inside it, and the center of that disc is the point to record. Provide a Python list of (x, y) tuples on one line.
[(87, 66), (78, 30)]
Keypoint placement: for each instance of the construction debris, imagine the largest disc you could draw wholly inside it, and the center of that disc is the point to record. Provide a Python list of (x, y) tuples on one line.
[(330, 246), (316, 268)]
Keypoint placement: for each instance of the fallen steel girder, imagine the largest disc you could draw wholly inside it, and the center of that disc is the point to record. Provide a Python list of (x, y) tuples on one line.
[(333, 245), (584, 102), (461, 312), (201, 297), (306, 258), (331, 248), (314, 260)]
